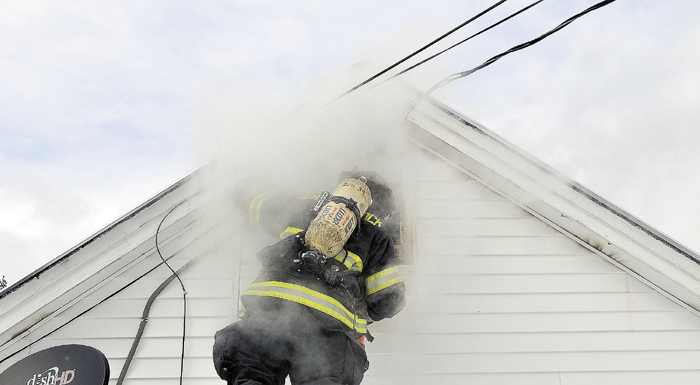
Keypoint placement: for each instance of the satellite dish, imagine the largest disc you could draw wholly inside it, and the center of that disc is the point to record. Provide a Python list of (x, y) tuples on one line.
[(60, 365)]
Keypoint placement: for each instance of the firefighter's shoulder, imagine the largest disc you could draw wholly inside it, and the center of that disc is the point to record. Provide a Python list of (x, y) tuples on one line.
[(372, 219)]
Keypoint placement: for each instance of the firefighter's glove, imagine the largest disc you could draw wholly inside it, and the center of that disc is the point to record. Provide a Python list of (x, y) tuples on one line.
[(283, 254), (331, 276), (351, 284), (346, 280)]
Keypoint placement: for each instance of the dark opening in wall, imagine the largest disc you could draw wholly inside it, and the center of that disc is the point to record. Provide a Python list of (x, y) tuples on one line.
[(400, 227)]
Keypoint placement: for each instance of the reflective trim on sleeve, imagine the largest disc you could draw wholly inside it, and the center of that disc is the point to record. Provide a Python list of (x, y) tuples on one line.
[(289, 231), (382, 280), (310, 298), (254, 212), (352, 261), (308, 197)]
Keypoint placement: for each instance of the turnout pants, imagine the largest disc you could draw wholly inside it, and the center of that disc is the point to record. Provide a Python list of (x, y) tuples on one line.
[(287, 339)]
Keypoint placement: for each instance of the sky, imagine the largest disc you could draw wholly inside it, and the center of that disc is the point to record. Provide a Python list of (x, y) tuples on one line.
[(104, 104)]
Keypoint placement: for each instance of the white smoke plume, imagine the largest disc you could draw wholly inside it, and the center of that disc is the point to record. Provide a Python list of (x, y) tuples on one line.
[(302, 149)]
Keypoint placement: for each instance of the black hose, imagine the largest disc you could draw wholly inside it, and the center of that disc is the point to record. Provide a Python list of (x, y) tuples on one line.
[(144, 320), (149, 303)]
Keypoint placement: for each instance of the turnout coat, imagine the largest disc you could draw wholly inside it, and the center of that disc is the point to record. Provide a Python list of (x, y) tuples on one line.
[(368, 257)]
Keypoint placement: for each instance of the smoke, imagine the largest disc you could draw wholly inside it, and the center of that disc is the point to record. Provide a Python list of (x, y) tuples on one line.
[(299, 147)]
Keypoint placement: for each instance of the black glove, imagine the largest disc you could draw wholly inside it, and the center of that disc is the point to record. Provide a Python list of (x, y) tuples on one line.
[(283, 254), (346, 280), (353, 285), (332, 276)]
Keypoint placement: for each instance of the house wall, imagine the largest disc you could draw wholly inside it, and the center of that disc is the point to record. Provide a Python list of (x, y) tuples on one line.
[(498, 297), (211, 282), (495, 297)]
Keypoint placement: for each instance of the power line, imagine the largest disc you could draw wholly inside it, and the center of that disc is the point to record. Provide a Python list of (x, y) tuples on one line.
[(144, 318), (469, 38), (422, 49), (518, 47), (135, 280), (142, 326)]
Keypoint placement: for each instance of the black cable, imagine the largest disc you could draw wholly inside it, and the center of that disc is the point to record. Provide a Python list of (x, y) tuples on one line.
[(79, 315), (467, 39), (92, 307), (422, 49), (534, 41), (144, 320), (144, 317), (184, 293)]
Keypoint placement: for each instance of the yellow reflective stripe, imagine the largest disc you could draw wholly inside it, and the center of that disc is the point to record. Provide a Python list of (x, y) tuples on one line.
[(289, 231), (309, 303), (310, 298), (382, 273), (345, 261), (356, 260), (382, 280), (384, 285), (308, 197), (359, 324), (305, 290), (254, 212)]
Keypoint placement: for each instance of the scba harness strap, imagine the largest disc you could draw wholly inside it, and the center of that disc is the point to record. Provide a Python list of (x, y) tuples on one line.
[(350, 203)]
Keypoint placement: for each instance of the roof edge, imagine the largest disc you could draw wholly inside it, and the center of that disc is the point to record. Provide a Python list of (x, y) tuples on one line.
[(579, 188), (576, 211), (90, 239)]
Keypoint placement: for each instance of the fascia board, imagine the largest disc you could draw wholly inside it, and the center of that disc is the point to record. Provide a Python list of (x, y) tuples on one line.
[(95, 261), (191, 236), (102, 235), (548, 194)]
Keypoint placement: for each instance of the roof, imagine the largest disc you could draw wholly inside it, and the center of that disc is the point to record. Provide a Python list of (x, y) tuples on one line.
[(123, 245), (92, 238), (478, 152), (566, 205)]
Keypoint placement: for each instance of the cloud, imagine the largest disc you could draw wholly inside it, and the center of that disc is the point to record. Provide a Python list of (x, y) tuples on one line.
[(109, 100), (612, 102)]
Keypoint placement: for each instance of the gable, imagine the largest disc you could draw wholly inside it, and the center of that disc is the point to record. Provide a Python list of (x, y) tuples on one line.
[(498, 296), (562, 203), (495, 278)]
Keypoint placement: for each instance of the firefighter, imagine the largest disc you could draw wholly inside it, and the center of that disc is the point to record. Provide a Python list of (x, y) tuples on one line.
[(306, 315)]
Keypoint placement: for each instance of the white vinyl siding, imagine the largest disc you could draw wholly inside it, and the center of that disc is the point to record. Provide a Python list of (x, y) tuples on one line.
[(112, 326), (496, 296), (212, 289)]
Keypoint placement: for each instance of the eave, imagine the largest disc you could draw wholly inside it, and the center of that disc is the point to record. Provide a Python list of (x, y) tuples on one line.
[(129, 243), (566, 205)]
